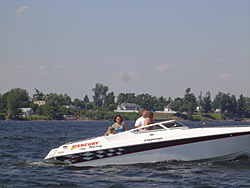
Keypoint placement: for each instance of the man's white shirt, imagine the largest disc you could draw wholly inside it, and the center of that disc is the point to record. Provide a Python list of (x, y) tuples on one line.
[(140, 122)]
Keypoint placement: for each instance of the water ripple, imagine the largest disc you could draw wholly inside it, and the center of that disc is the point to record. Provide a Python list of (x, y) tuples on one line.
[(24, 147)]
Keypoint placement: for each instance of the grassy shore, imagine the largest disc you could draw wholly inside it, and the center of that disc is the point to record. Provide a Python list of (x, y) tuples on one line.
[(133, 116), (198, 117)]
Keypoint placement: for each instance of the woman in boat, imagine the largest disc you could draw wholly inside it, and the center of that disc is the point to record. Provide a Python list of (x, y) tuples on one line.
[(119, 124), (118, 127)]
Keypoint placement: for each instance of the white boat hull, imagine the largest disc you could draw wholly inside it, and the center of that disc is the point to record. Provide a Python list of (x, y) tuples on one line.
[(216, 150), (152, 146)]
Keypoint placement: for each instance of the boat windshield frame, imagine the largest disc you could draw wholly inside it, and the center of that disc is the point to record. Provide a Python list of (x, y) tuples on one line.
[(160, 126)]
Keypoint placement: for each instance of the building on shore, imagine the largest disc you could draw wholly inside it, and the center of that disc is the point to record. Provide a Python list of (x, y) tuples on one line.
[(27, 112), (127, 107)]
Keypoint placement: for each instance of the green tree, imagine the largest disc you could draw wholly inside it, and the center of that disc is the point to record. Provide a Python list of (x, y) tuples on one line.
[(127, 97), (160, 103), (15, 99), (247, 112), (131, 98), (23, 94), (38, 96), (79, 102), (206, 103), (100, 92), (121, 98), (233, 105), (3, 103), (217, 102), (13, 105), (189, 103), (176, 104), (86, 98), (53, 104), (241, 106), (89, 106), (109, 99), (145, 101), (64, 99), (112, 107), (225, 103), (50, 109)]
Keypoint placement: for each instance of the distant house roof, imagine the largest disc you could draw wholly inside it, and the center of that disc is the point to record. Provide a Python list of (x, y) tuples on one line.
[(128, 107)]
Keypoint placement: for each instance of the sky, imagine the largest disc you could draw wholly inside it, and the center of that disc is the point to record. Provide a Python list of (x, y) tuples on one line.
[(159, 47)]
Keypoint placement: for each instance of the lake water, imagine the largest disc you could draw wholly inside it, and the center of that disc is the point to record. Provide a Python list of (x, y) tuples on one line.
[(24, 144)]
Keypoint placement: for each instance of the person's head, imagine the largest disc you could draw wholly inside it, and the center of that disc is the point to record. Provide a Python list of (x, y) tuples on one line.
[(111, 130), (118, 118), (144, 112), (151, 115)]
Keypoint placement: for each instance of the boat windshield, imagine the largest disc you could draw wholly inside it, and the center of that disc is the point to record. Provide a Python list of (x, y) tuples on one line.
[(172, 124), (149, 127), (161, 126)]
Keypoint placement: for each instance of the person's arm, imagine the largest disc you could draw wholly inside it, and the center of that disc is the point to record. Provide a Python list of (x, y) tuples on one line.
[(146, 122), (106, 133)]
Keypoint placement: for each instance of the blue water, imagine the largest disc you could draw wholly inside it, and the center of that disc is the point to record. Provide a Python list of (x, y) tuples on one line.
[(24, 144)]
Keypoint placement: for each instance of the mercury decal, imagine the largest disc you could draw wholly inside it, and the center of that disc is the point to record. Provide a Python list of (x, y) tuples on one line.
[(84, 145), (65, 147), (97, 146)]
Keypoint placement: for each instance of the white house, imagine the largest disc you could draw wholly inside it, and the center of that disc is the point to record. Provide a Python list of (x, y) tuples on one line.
[(71, 106), (39, 103), (70, 117), (217, 110), (27, 111), (127, 107), (167, 109)]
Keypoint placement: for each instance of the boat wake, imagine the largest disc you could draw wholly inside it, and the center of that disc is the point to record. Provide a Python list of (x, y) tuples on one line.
[(24, 163)]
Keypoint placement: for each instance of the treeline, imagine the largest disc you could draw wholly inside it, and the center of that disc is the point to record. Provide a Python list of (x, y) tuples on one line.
[(104, 104)]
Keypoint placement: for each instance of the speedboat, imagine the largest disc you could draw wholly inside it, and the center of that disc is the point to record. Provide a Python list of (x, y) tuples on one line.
[(163, 141)]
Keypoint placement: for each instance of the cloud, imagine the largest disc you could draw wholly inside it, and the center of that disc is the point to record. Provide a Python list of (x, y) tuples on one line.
[(149, 58), (14, 69), (161, 68), (195, 59), (22, 9), (126, 76), (223, 54), (221, 57), (58, 67), (217, 61), (224, 75), (176, 65), (41, 67)]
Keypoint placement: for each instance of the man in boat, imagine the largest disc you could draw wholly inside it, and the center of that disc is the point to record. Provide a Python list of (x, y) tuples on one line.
[(140, 121)]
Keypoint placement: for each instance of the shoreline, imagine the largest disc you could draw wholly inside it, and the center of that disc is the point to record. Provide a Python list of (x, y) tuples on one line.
[(157, 120)]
